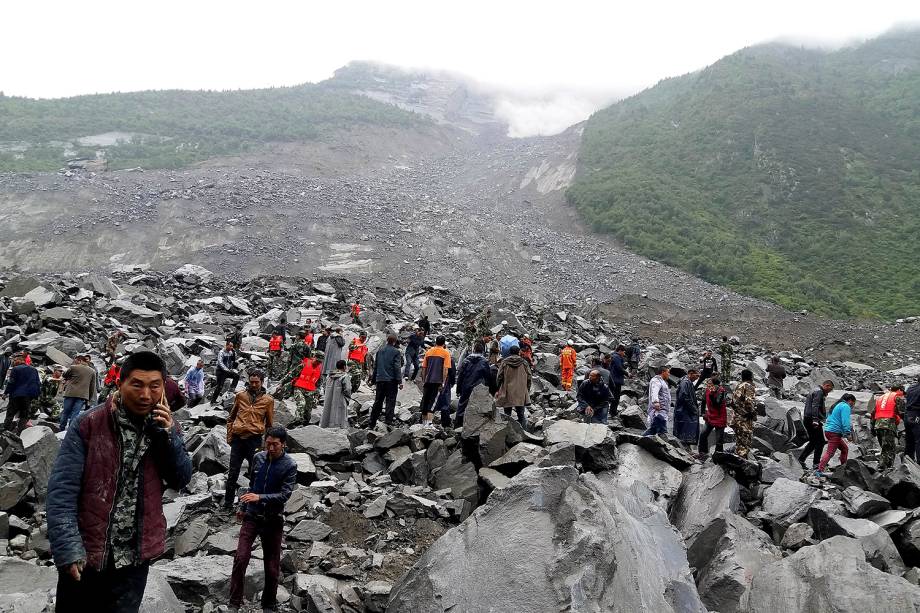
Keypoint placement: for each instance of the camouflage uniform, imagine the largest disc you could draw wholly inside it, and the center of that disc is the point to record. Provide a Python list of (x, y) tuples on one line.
[(306, 403), (469, 333), (726, 352), (743, 423), (356, 372), (299, 351), (483, 327), (274, 362), (886, 431), (47, 399)]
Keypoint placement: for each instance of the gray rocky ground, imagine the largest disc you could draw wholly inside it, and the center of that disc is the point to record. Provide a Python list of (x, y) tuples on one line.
[(488, 517)]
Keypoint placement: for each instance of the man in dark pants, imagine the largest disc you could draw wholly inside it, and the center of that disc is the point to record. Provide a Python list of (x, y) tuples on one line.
[(414, 347), (226, 369), (22, 387), (104, 506), (252, 413), (912, 422), (708, 367), (435, 375), (618, 374), (387, 378), (813, 418), (274, 477)]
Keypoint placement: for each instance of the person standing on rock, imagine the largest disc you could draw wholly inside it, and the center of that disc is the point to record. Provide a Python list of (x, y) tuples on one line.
[(527, 350), (912, 422), (727, 353), (633, 355), (886, 415), (424, 324), (336, 397), (598, 364), (274, 478), (659, 403), (304, 385), (333, 353), (745, 402), (225, 369), (275, 351), (105, 495), (252, 414), (776, 372), (52, 387), (23, 385), (708, 367), (506, 342), (813, 418), (110, 382), (687, 410), (568, 359), (386, 378), (357, 360), (836, 429), (473, 371), (618, 374), (194, 383), (79, 388), (302, 348), (594, 398), (323, 340), (435, 375), (716, 417), (495, 351), (414, 347), (513, 381)]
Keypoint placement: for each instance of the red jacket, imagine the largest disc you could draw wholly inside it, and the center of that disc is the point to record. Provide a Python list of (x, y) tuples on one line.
[(111, 377), (309, 375), (274, 344), (716, 415), (84, 481)]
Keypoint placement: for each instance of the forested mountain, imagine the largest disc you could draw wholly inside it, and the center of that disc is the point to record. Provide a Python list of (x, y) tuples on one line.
[(782, 172), (165, 129)]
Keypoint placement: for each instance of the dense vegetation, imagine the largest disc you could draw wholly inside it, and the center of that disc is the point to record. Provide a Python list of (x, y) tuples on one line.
[(180, 127), (784, 173)]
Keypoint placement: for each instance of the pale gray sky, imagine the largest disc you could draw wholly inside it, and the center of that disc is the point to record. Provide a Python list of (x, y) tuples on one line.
[(561, 60)]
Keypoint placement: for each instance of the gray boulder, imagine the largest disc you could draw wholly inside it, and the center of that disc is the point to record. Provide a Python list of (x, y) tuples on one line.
[(518, 458), (786, 502), (830, 576), (615, 553), (908, 541), (41, 447), (411, 469), (159, 596), (862, 503), (638, 465), (15, 481), (192, 537), (661, 449), (460, 477), (203, 578), (705, 493), (319, 442)]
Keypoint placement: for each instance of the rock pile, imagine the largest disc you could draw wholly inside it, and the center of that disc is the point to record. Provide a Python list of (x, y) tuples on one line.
[(486, 517)]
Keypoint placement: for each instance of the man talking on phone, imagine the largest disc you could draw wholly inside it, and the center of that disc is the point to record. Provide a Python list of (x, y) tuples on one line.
[(104, 508)]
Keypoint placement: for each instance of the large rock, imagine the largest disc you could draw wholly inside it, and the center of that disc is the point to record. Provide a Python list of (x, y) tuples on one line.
[(15, 481), (901, 486), (192, 537), (460, 477), (879, 549), (661, 449), (615, 554), (706, 492), (411, 469), (19, 576), (202, 578), (908, 541), (727, 554), (830, 576), (319, 442), (159, 596), (862, 503), (518, 458), (212, 456), (41, 448), (638, 465), (786, 502), (595, 445)]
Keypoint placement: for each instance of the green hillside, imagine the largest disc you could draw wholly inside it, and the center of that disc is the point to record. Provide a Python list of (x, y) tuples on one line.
[(173, 128), (783, 173)]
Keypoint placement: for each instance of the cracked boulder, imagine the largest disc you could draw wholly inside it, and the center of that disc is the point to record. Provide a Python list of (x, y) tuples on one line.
[(705, 493)]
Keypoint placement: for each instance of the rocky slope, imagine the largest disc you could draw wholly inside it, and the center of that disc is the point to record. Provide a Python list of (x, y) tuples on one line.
[(564, 514)]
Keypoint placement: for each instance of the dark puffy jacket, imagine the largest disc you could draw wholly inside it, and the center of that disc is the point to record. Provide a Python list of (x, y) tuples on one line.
[(23, 381), (814, 405), (617, 370), (84, 482), (274, 481), (594, 395), (913, 398), (474, 370), (388, 364)]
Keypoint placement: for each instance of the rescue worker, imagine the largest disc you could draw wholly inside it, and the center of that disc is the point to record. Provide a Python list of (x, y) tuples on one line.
[(356, 312), (275, 350), (111, 381), (414, 347), (527, 350), (568, 358), (890, 407), (357, 360), (744, 401), (51, 388), (302, 348), (305, 385)]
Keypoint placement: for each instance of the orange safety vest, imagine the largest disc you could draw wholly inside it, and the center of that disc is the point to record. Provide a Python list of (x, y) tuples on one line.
[(357, 351), (111, 377), (884, 406), (309, 339), (309, 375), (275, 343)]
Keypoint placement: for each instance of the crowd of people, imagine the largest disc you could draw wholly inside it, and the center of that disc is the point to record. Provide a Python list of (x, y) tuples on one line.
[(104, 502)]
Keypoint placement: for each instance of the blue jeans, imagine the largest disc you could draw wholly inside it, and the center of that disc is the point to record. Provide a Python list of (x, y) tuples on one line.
[(411, 361), (72, 408), (659, 425), (600, 415)]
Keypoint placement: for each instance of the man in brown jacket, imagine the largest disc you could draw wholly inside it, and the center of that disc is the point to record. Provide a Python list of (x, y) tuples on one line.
[(252, 414), (79, 388), (513, 383)]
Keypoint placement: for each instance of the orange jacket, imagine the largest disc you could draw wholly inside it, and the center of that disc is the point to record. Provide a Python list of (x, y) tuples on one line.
[(885, 406), (309, 375), (275, 343), (357, 351), (568, 358)]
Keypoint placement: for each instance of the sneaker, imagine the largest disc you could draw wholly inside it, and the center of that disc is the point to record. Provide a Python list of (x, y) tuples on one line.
[(821, 475)]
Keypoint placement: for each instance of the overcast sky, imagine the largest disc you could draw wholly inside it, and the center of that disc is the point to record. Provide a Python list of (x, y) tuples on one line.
[(569, 56)]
